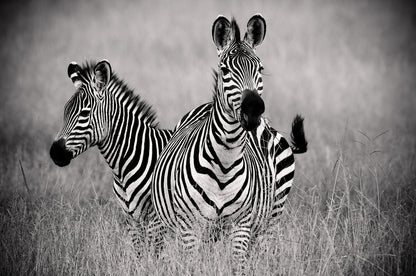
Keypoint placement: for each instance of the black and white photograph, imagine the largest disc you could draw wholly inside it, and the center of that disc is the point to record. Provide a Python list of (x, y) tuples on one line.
[(208, 137)]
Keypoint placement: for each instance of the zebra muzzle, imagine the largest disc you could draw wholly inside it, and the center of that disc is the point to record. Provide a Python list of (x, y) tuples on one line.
[(60, 155), (252, 107)]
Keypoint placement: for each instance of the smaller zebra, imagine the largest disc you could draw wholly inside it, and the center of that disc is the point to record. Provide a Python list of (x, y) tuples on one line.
[(104, 112)]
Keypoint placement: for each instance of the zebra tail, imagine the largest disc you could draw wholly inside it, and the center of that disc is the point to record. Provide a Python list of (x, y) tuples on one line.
[(298, 139)]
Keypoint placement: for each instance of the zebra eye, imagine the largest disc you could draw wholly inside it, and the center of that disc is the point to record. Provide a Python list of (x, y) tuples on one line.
[(84, 113), (81, 91), (261, 69)]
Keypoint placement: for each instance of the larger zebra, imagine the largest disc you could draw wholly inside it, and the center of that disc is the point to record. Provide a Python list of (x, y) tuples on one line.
[(105, 112), (229, 165)]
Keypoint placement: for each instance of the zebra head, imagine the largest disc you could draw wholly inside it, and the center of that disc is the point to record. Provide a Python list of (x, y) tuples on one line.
[(86, 122), (239, 81)]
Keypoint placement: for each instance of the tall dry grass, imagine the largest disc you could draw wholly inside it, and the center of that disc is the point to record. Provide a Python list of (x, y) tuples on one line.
[(348, 67)]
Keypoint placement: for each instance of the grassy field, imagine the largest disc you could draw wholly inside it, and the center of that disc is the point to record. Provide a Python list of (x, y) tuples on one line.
[(346, 66)]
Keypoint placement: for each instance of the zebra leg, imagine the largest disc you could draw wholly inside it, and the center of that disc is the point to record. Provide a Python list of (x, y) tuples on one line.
[(155, 232), (136, 232), (240, 241), (188, 229), (189, 241)]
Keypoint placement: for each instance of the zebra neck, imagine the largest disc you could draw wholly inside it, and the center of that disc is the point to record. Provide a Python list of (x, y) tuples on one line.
[(226, 138), (124, 143)]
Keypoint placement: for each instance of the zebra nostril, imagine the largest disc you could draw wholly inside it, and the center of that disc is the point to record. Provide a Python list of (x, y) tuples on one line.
[(245, 116), (60, 155)]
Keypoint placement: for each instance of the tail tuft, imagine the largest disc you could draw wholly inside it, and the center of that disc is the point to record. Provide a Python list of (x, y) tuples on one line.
[(299, 143)]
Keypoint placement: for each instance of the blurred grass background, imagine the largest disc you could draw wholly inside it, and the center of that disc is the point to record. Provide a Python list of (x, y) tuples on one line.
[(347, 66)]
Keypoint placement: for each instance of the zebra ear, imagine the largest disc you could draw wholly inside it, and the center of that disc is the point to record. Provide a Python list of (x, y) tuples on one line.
[(221, 32), (102, 74), (256, 30), (73, 73)]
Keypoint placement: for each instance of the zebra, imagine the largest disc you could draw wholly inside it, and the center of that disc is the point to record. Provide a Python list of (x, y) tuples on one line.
[(105, 113), (228, 165)]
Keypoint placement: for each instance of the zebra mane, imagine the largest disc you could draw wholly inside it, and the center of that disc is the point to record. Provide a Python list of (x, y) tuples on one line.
[(147, 114)]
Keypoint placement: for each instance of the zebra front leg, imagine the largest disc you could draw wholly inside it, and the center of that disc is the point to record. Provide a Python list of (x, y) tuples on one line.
[(155, 232), (189, 243), (240, 241), (136, 233)]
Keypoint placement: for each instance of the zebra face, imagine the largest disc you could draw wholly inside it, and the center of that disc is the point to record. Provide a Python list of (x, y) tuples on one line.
[(86, 122), (240, 82)]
